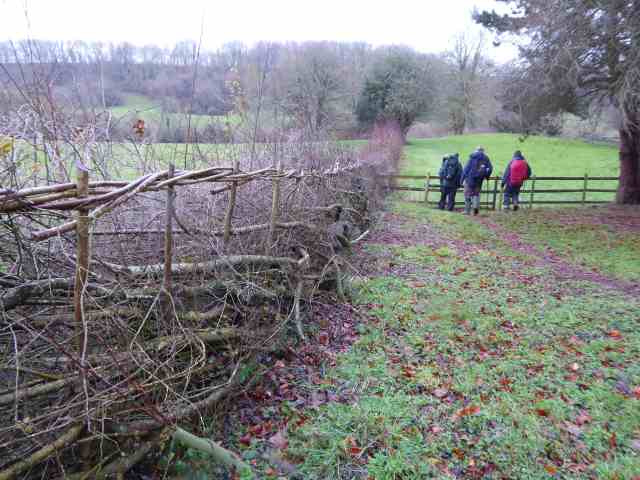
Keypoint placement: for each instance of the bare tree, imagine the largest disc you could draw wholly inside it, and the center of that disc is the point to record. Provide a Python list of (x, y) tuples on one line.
[(313, 85), (470, 69)]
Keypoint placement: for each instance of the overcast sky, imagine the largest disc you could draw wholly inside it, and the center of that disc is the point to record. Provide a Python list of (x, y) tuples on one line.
[(426, 25)]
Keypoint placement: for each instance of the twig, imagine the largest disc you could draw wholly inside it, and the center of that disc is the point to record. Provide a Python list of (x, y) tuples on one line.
[(42, 454)]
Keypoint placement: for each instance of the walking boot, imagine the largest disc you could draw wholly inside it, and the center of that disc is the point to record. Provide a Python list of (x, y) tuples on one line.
[(467, 206)]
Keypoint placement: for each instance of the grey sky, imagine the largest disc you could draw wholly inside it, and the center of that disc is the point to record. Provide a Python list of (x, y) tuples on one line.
[(426, 25)]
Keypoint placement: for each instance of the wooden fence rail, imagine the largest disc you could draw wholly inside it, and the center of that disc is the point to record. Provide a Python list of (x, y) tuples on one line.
[(492, 192)]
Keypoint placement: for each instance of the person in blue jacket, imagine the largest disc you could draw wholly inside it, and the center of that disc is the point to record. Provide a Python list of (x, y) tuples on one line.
[(450, 174), (475, 171)]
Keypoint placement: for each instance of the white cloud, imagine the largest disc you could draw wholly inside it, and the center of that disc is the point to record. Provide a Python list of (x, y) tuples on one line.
[(426, 25)]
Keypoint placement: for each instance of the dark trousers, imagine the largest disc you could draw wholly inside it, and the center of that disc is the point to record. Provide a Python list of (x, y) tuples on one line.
[(447, 198), (511, 195)]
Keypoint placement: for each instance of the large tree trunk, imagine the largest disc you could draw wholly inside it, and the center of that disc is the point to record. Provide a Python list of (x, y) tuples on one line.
[(629, 185)]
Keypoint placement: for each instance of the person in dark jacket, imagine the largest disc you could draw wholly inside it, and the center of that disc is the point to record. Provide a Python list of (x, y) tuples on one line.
[(450, 180), (475, 171), (514, 176)]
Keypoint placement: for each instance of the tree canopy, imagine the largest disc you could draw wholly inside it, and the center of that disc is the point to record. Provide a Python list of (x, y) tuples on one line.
[(583, 50), (399, 88)]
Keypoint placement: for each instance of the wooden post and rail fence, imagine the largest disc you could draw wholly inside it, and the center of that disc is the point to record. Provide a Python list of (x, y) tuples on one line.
[(492, 192)]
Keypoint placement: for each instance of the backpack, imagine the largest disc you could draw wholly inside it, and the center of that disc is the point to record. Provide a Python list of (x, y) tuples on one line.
[(482, 168), (518, 172), (450, 169)]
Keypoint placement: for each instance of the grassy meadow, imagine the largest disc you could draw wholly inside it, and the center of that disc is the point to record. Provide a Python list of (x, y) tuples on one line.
[(478, 359), (547, 157), (498, 346), (139, 106)]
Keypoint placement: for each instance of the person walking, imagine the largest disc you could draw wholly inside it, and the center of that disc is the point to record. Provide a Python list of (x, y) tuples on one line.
[(475, 171), (450, 175), (514, 176)]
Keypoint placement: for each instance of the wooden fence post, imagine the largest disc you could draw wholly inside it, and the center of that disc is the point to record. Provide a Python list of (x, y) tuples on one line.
[(495, 193), (584, 188), (168, 236), (427, 188), (82, 272), (231, 206), (501, 197), (275, 205), (533, 188), (82, 261)]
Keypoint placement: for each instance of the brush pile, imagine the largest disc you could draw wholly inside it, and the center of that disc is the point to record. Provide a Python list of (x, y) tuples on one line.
[(128, 308)]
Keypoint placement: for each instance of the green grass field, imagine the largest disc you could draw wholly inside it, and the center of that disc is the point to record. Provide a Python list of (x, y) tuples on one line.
[(547, 157), (127, 161), (481, 362), (597, 239), (139, 106)]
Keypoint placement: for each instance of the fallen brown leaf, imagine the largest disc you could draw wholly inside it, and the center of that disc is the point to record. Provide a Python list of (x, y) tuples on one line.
[(440, 392), (279, 441), (551, 469), (355, 451), (583, 418), (466, 411), (408, 371), (574, 430), (458, 453)]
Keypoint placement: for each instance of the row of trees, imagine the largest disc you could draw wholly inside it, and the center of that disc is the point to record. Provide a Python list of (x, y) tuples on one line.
[(311, 86), (576, 57)]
